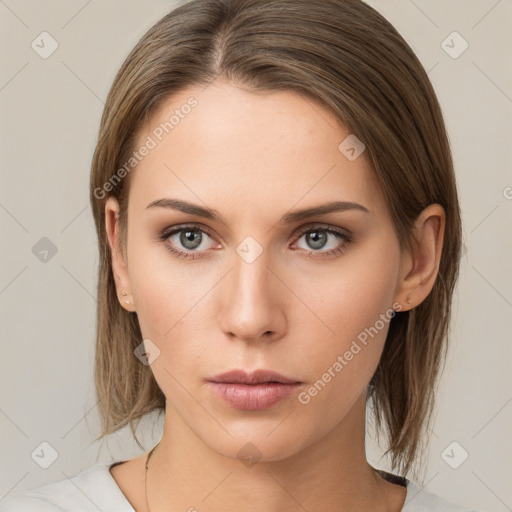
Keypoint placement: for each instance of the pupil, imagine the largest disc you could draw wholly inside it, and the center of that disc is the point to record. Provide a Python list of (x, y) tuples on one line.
[(190, 239), (317, 239)]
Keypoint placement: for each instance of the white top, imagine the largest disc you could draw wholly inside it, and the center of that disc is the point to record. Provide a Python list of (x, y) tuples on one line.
[(95, 489)]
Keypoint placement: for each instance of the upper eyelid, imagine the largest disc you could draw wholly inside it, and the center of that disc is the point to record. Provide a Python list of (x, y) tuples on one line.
[(320, 225), (182, 227), (301, 230)]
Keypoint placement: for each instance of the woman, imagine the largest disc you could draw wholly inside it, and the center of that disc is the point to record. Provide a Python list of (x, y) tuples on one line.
[(279, 236)]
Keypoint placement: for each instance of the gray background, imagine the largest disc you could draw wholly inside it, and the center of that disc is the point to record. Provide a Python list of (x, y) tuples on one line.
[(50, 111)]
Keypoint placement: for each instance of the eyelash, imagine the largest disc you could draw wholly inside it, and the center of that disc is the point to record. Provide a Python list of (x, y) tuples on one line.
[(168, 232)]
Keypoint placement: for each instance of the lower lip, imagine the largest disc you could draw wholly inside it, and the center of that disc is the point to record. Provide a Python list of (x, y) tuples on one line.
[(253, 397)]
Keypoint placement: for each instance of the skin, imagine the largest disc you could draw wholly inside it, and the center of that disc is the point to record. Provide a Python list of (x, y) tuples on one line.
[(253, 158)]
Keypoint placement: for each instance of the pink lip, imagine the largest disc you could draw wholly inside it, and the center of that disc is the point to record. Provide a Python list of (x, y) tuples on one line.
[(252, 397), (258, 390), (255, 377)]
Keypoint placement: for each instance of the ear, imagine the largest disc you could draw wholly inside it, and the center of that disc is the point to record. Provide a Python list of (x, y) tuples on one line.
[(119, 263), (419, 269)]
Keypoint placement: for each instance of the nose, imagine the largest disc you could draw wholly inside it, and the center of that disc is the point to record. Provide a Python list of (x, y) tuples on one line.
[(251, 303)]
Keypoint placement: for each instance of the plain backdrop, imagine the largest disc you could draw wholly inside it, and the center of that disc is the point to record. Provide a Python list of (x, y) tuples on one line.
[(50, 110)]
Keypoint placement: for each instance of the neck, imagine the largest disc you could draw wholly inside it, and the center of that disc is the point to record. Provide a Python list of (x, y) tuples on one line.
[(332, 474)]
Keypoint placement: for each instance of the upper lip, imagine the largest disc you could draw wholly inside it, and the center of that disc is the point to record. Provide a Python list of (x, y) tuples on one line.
[(254, 377)]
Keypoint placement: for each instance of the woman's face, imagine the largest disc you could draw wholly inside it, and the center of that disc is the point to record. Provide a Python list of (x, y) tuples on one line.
[(261, 288)]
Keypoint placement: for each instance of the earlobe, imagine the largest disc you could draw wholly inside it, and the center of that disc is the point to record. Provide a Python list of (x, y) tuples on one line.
[(119, 266), (421, 266)]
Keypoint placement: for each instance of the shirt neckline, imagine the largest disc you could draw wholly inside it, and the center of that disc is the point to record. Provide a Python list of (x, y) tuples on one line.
[(123, 500), (390, 477)]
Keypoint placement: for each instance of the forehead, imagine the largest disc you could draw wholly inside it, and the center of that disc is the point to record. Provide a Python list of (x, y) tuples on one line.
[(235, 149)]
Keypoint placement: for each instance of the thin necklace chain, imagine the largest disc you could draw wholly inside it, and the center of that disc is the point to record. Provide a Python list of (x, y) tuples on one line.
[(146, 477)]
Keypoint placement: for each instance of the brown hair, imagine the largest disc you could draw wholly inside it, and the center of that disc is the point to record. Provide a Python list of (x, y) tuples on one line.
[(345, 56)]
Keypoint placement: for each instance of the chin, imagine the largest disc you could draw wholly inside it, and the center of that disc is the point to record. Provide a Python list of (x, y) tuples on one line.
[(251, 445)]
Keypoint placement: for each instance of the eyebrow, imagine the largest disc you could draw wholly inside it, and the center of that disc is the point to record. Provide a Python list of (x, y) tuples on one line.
[(293, 216)]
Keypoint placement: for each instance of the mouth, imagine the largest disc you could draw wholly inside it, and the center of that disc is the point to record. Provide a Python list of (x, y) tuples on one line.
[(254, 391)]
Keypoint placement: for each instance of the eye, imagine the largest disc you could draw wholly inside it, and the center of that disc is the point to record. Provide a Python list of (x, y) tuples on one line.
[(317, 237), (192, 238)]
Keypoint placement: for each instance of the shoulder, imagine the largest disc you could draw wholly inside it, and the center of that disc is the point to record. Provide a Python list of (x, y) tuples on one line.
[(420, 500), (89, 491)]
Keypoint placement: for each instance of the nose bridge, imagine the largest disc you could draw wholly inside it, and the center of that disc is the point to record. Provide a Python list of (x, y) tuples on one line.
[(251, 279), (250, 307)]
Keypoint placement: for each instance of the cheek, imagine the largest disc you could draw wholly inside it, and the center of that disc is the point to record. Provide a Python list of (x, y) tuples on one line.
[(351, 297), (341, 370), (167, 310), (356, 310), (164, 288), (170, 300), (168, 318)]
